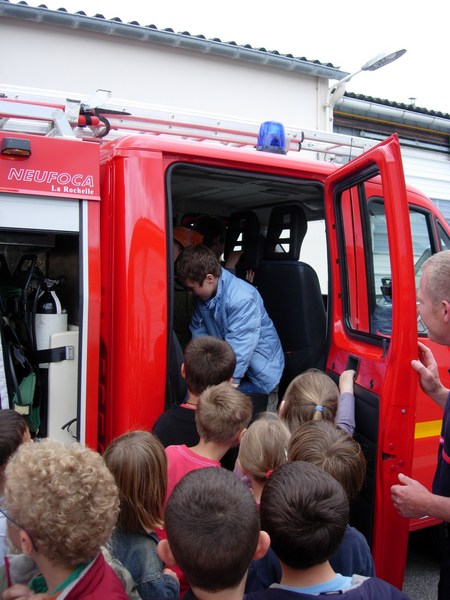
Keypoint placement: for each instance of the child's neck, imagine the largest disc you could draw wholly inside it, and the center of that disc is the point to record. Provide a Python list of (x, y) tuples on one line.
[(236, 593), (211, 450), (257, 489), (192, 399), (54, 574), (300, 578)]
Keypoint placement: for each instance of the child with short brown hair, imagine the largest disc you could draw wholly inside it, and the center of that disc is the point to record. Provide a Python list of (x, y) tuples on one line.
[(207, 361), (305, 512), (213, 532), (222, 415), (332, 449), (327, 446)]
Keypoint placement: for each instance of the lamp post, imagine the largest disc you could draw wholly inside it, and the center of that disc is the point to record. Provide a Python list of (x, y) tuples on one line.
[(335, 92)]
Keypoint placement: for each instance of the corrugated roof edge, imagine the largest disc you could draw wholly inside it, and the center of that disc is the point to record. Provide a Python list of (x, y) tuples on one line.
[(150, 33), (401, 105)]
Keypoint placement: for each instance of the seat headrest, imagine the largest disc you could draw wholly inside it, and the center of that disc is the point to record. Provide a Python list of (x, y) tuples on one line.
[(285, 233), (245, 223)]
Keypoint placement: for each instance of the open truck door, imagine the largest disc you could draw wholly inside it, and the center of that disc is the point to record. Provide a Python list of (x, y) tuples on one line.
[(372, 307)]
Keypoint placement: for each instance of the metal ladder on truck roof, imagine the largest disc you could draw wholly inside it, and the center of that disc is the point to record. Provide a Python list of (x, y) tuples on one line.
[(99, 119)]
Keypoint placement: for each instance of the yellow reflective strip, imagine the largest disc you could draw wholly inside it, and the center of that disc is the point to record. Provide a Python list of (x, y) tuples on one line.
[(428, 429)]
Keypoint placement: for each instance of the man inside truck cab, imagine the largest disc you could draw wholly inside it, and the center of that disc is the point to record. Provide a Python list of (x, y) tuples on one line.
[(231, 309), (410, 498)]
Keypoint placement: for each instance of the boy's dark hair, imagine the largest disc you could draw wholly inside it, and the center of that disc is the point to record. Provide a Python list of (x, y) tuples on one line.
[(212, 526), (195, 263), (12, 428), (305, 512), (332, 449), (211, 228), (207, 361)]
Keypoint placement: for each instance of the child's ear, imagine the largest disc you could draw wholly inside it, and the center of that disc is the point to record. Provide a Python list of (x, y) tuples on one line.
[(446, 310), (26, 544), (241, 435), (165, 553), (263, 545), (281, 408), (210, 278), (183, 371)]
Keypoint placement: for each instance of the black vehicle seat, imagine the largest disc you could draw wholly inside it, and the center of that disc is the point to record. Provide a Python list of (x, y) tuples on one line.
[(244, 225), (291, 293)]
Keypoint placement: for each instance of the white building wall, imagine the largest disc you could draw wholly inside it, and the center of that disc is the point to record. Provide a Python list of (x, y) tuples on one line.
[(78, 63), (429, 172)]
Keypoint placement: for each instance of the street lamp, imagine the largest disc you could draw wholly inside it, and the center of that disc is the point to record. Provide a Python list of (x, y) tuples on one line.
[(336, 91)]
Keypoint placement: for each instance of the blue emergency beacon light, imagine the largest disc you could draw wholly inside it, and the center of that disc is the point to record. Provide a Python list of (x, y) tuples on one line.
[(271, 138)]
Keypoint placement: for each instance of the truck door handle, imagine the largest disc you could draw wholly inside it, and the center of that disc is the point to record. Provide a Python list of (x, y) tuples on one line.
[(353, 364)]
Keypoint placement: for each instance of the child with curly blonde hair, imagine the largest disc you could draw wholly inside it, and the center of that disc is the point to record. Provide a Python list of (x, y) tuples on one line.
[(61, 504), (13, 432)]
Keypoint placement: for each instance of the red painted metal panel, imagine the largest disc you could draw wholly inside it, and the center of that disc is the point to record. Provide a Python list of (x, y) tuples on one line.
[(134, 293), (63, 168), (93, 325)]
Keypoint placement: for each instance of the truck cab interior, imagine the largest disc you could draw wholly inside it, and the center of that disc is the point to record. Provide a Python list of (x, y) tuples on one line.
[(267, 218)]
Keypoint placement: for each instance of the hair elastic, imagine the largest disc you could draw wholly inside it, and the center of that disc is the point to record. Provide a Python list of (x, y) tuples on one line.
[(269, 473), (319, 407)]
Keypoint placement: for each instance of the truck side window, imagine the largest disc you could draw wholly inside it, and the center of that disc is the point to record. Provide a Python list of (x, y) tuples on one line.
[(367, 271), (355, 267), (423, 247), (444, 239), (381, 317), (422, 243)]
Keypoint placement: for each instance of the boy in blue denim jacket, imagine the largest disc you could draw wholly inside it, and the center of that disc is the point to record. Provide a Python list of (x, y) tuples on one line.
[(231, 309)]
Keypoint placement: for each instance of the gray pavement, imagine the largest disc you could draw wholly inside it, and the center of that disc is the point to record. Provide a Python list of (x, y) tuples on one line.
[(423, 563)]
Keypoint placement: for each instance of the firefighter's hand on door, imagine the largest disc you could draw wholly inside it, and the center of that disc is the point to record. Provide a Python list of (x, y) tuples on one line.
[(427, 369), (410, 497), (413, 500)]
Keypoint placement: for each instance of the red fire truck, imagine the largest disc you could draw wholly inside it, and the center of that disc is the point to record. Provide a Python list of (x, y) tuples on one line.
[(88, 200)]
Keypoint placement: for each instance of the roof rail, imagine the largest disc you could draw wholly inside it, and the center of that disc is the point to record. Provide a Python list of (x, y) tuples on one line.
[(102, 120)]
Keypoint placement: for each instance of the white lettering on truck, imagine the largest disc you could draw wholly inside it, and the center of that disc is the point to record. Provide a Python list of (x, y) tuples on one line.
[(78, 180)]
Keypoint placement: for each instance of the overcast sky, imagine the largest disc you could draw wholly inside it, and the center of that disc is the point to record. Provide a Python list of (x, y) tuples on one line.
[(346, 33)]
